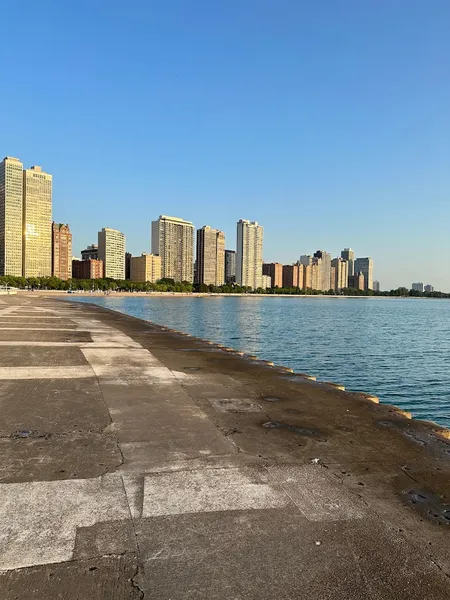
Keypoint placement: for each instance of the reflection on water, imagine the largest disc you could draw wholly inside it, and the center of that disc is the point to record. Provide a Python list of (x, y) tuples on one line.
[(398, 349)]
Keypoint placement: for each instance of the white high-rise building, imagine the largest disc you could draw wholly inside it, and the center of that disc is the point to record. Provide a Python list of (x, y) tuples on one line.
[(11, 210), (349, 255), (173, 240), (111, 250), (249, 254)]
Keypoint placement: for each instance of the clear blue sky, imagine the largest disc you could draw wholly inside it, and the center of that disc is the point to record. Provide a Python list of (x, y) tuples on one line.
[(328, 122)]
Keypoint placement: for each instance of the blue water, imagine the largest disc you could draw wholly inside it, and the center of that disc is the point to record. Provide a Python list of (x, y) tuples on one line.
[(398, 349)]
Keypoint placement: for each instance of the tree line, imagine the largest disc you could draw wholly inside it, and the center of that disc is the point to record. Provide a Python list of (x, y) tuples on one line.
[(169, 285)]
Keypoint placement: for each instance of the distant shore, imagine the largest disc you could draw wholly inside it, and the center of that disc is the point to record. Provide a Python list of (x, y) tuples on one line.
[(99, 294)]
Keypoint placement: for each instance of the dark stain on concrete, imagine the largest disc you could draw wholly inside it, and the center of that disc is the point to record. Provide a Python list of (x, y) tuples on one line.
[(429, 506), (107, 577), (294, 428)]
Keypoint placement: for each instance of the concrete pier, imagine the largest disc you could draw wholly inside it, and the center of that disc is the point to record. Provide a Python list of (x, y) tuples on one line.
[(141, 463)]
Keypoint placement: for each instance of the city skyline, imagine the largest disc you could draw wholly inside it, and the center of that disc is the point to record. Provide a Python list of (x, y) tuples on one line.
[(171, 240)]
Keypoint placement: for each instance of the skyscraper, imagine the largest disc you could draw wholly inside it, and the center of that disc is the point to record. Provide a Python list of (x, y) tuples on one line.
[(210, 258), (307, 276), (365, 266), (37, 223), (249, 253), (230, 266), (348, 255), (340, 274), (428, 288), (324, 279), (275, 272), (173, 240), (316, 274), (417, 287), (61, 251), (376, 286), (111, 250), (11, 202), (333, 282)]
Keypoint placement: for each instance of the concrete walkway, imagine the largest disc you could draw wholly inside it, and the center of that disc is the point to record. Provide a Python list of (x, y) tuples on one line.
[(140, 463)]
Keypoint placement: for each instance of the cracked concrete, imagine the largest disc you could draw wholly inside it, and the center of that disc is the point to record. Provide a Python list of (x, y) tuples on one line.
[(139, 463)]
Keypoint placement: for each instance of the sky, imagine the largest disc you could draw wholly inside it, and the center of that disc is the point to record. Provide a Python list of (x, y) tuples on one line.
[(327, 122)]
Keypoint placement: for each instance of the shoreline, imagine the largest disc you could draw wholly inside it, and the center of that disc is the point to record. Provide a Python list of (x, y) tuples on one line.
[(77, 294)]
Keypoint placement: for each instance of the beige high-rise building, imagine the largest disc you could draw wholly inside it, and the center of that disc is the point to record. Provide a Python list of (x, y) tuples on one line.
[(173, 241), (11, 208), (210, 257), (306, 260), (316, 274), (340, 274), (307, 276), (333, 278), (146, 267), (37, 223), (111, 250), (249, 254), (324, 280)]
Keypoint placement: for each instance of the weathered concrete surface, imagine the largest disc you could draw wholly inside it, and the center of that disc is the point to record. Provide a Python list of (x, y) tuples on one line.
[(141, 463)]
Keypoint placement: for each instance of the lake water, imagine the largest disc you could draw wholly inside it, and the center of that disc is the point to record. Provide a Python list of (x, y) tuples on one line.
[(398, 349)]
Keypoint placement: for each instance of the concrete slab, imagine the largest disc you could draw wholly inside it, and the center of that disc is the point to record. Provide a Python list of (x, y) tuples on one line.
[(316, 494), (48, 457), (210, 491), (44, 336), (122, 358), (49, 513), (184, 455), (66, 372), (47, 407), (30, 356), (275, 553)]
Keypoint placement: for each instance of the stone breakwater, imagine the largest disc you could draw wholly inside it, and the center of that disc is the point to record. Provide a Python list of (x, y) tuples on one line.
[(140, 462)]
